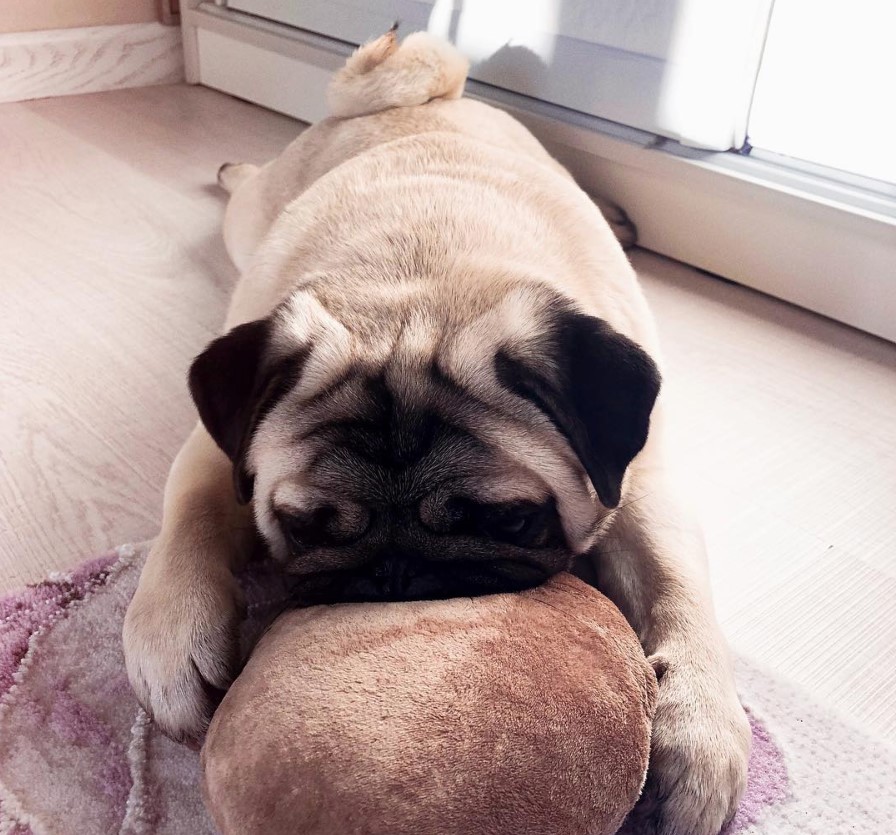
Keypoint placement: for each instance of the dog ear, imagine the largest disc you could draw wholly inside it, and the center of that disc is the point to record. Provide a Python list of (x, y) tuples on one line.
[(599, 392), (234, 384)]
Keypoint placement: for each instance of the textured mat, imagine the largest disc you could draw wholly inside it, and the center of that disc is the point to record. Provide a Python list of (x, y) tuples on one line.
[(78, 755)]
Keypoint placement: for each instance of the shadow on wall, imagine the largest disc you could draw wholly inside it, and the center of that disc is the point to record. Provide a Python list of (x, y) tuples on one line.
[(602, 57), (683, 69)]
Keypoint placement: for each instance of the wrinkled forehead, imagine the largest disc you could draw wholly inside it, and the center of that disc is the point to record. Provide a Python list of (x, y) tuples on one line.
[(412, 329)]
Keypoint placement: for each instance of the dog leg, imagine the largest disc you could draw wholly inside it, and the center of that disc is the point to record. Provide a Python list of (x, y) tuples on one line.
[(232, 175), (247, 217), (623, 228), (653, 566), (180, 628)]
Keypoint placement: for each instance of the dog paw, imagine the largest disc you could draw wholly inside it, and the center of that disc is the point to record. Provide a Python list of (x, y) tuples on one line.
[(232, 175), (622, 225), (698, 761), (181, 649)]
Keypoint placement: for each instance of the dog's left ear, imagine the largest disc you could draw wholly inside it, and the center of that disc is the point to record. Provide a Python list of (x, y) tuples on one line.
[(597, 387), (234, 384)]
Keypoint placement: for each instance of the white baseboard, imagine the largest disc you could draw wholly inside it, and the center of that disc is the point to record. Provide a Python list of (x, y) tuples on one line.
[(828, 247), (62, 62)]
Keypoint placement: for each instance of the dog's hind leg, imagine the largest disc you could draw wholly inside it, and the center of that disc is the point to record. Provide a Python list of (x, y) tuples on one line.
[(623, 228), (246, 220), (232, 174)]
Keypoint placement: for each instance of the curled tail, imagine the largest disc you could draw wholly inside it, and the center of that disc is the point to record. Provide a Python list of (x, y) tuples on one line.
[(384, 74)]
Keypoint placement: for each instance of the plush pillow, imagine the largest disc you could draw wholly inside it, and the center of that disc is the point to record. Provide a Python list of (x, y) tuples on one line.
[(514, 713)]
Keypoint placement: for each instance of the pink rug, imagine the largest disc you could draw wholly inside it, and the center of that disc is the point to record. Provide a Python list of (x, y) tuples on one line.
[(78, 755)]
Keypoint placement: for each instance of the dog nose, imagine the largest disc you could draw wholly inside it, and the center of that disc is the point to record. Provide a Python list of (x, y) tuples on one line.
[(393, 575)]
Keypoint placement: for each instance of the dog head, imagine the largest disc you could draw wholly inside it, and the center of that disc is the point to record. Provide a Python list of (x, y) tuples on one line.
[(430, 455)]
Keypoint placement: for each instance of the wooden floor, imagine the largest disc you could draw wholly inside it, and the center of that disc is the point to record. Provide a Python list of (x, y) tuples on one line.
[(114, 276)]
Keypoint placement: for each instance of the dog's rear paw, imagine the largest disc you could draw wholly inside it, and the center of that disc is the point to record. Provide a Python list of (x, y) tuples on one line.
[(623, 228), (233, 174)]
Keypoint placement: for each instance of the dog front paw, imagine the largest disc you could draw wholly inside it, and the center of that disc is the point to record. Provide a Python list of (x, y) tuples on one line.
[(181, 649), (700, 748)]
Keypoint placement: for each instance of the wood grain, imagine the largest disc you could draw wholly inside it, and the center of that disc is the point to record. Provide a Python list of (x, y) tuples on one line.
[(784, 435), (63, 62), (114, 275)]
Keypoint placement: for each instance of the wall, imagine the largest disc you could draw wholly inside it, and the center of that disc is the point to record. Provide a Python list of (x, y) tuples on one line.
[(34, 15)]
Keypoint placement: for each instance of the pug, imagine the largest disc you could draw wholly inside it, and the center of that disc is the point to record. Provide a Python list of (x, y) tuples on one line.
[(438, 377)]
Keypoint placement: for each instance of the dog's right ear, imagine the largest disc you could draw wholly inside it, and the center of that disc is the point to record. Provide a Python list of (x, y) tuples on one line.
[(234, 384)]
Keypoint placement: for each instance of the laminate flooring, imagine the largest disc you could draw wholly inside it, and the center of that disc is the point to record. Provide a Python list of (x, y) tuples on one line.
[(113, 276)]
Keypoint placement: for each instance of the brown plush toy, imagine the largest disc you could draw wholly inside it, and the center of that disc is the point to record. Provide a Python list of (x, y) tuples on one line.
[(516, 713)]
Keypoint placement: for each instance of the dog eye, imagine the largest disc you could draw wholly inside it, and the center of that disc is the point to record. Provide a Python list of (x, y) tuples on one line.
[(302, 530), (523, 525), (318, 528), (514, 524)]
